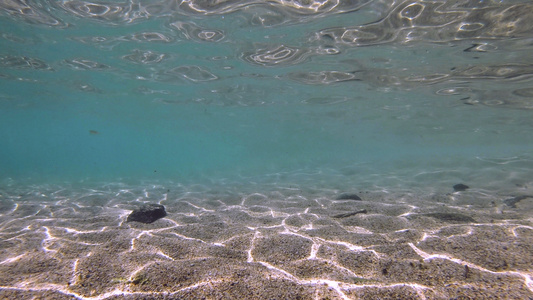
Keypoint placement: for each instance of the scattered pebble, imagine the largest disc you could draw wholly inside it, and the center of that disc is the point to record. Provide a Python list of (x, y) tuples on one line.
[(147, 213), (460, 187)]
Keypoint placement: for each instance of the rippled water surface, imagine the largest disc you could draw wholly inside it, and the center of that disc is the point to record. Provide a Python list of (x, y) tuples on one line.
[(163, 89), (273, 109)]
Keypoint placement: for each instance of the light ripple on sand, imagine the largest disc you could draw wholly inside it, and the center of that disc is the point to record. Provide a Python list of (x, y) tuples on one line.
[(272, 244)]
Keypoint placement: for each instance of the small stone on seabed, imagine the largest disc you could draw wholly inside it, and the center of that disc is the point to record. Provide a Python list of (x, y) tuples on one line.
[(349, 197), (147, 213), (460, 187)]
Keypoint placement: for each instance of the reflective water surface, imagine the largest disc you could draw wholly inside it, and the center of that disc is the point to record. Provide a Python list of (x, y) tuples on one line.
[(249, 121)]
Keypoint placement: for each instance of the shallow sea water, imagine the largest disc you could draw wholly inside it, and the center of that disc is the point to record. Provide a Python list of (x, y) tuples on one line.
[(249, 121)]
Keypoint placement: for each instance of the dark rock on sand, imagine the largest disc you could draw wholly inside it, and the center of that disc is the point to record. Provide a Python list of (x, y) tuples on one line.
[(511, 202), (451, 217), (147, 213), (349, 197), (460, 187)]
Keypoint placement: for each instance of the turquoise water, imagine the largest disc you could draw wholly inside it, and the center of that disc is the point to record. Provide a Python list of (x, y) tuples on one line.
[(134, 90), (250, 122)]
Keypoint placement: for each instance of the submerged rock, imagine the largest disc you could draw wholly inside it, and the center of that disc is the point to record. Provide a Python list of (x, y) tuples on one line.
[(147, 213), (460, 187), (349, 197)]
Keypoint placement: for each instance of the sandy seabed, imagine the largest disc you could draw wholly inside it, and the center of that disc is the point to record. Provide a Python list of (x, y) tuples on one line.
[(284, 244)]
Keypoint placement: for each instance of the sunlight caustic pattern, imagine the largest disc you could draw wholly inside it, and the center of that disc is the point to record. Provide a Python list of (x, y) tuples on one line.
[(283, 244)]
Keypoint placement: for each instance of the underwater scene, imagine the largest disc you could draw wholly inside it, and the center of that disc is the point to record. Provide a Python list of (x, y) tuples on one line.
[(280, 149)]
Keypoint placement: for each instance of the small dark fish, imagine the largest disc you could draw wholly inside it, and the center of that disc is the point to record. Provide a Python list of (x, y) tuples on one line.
[(353, 213), (474, 48), (93, 132), (511, 202)]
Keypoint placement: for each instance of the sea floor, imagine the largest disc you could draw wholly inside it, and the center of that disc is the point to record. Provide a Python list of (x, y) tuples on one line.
[(62, 243)]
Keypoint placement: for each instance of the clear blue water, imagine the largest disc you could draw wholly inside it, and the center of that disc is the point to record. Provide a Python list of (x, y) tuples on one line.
[(203, 91), (248, 120)]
